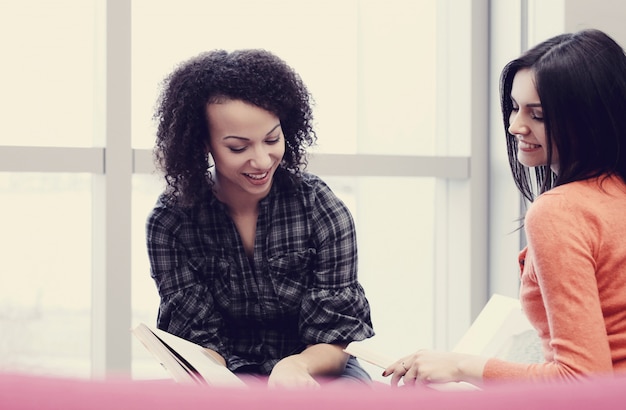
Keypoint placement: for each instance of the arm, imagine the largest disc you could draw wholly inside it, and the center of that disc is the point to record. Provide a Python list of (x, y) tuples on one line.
[(333, 310), (186, 303), (319, 360), (428, 366), (563, 240), (558, 284), (218, 357), (560, 288)]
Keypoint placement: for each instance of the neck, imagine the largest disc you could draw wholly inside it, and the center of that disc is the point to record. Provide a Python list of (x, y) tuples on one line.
[(237, 203)]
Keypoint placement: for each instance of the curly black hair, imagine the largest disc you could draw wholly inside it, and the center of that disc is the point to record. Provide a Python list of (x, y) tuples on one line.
[(254, 76)]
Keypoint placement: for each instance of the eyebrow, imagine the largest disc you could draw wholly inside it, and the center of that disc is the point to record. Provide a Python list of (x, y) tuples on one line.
[(244, 138), (531, 105)]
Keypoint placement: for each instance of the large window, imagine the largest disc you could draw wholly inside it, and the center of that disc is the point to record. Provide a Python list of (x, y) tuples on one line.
[(48, 75), (45, 297), (48, 83), (75, 160)]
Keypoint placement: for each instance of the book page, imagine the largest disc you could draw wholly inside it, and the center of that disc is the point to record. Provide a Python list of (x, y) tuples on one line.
[(502, 330), (361, 351), (191, 359), (162, 354)]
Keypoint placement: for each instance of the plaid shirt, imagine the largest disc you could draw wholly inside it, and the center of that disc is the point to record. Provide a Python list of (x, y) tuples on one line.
[(300, 289)]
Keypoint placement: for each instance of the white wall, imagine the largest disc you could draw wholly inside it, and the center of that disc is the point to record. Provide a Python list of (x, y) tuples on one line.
[(606, 15)]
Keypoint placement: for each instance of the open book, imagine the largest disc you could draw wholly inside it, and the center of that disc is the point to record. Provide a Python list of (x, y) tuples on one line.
[(501, 330), (187, 362)]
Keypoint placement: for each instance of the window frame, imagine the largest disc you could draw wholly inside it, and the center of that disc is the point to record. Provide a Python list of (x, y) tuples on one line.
[(461, 271)]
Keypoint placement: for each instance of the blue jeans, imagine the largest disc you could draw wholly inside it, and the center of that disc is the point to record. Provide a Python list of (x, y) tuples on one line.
[(354, 373)]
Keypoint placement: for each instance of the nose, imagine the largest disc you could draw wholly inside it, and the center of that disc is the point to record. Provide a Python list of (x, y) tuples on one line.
[(517, 125), (261, 158)]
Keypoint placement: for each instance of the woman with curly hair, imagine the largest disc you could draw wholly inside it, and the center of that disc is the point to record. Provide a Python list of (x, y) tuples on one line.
[(253, 257), (563, 105)]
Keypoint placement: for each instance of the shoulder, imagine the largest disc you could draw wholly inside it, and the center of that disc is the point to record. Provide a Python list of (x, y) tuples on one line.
[(578, 196), (568, 196), (165, 204), (315, 191), (164, 215), (315, 196), (327, 209), (168, 213), (573, 205), (312, 182)]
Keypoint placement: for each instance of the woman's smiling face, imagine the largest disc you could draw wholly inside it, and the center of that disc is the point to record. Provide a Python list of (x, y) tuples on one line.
[(526, 123), (247, 146)]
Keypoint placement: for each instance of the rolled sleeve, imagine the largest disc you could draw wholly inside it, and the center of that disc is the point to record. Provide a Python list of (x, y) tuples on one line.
[(336, 316), (335, 309)]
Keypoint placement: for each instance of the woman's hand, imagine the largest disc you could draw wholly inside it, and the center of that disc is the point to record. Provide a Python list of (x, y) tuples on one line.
[(292, 372), (429, 366), (215, 356), (299, 370)]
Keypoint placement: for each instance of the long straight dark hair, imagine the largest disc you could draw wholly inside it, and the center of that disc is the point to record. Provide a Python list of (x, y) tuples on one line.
[(581, 84)]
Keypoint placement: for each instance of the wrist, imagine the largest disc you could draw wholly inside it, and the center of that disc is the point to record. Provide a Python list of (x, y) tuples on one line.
[(471, 368)]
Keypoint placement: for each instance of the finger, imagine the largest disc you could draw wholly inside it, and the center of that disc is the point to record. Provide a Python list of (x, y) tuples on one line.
[(410, 380), (395, 379), (395, 367), (400, 370), (405, 367)]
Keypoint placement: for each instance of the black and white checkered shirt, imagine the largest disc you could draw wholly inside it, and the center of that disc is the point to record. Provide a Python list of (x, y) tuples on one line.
[(300, 289)]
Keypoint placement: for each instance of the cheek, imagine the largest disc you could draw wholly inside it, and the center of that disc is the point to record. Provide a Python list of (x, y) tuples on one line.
[(279, 150), (540, 134)]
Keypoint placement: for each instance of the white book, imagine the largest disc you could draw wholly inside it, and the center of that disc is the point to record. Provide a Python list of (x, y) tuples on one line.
[(501, 330), (187, 362)]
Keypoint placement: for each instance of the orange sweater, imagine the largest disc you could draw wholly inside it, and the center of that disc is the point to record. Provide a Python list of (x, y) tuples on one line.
[(573, 282)]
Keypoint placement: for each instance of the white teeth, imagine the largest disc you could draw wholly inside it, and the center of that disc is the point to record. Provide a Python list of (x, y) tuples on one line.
[(527, 145), (255, 176)]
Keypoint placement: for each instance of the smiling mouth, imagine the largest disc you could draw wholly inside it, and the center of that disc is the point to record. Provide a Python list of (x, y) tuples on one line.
[(257, 176), (526, 145)]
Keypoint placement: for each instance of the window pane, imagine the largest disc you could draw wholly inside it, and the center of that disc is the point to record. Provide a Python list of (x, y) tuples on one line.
[(370, 69), (277, 25), (45, 297), (47, 74), (397, 72), (145, 299), (394, 219)]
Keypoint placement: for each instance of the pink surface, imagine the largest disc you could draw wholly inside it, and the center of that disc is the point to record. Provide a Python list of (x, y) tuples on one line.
[(30, 392)]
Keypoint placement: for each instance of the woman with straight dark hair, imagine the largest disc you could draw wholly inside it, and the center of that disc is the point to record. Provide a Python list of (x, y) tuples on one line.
[(564, 111)]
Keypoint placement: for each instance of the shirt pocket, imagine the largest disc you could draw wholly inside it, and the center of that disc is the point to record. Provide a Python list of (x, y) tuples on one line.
[(291, 274)]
